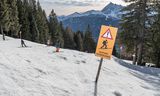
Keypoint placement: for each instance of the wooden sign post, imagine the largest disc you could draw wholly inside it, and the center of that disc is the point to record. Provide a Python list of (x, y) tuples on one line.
[(104, 48)]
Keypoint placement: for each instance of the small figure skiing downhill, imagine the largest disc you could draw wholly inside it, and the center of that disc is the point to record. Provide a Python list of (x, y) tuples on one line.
[(22, 43)]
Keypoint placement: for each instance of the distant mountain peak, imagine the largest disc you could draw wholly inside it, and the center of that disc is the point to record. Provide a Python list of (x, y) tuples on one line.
[(75, 13), (112, 7), (111, 4)]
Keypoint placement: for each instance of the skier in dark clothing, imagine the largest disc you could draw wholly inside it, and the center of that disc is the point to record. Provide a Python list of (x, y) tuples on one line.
[(105, 42), (57, 45), (22, 43)]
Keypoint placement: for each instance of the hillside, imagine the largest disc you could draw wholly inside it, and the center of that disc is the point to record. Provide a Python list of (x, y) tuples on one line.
[(38, 71)]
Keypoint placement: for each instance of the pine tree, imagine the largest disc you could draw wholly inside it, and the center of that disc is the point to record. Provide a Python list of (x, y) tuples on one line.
[(24, 19), (78, 40), (32, 9), (13, 17), (134, 25), (61, 34), (42, 26), (20, 15), (50, 25), (46, 28), (155, 36), (89, 44), (69, 39), (130, 25), (54, 28), (33, 21), (4, 17)]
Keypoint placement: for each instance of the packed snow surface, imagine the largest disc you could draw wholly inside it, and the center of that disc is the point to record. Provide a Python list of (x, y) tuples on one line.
[(39, 71)]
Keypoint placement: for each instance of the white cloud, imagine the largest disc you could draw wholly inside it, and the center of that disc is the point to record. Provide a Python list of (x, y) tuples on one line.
[(65, 7)]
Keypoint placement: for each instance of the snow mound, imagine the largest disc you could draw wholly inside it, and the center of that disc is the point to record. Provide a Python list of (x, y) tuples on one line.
[(39, 71)]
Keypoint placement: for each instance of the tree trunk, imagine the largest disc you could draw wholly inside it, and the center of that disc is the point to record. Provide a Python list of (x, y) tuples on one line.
[(142, 31), (140, 52), (135, 53), (37, 31), (158, 61), (2, 32)]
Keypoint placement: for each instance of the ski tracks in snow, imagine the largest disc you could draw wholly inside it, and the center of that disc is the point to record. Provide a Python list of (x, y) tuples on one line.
[(81, 87)]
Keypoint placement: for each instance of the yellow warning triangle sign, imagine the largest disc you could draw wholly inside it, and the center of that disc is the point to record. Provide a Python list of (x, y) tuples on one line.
[(106, 41), (107, 35)]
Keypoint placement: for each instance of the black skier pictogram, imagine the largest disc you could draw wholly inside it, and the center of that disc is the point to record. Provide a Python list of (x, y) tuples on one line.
[(104, 46)]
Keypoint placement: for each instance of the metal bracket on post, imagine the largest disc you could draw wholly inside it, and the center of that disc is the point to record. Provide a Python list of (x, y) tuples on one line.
[(97, 77)]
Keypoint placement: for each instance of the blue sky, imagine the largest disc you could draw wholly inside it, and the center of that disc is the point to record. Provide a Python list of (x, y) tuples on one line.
[(66, 7)]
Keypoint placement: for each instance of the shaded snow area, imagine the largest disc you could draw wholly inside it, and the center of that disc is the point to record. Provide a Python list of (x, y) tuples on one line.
[(39, 71)]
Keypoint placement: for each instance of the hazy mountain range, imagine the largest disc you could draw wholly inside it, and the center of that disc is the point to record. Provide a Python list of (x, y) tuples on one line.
[(109, 15)]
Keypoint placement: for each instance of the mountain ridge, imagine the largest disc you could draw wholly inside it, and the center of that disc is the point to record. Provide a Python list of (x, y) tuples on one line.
[(105, 11), (109, 15)]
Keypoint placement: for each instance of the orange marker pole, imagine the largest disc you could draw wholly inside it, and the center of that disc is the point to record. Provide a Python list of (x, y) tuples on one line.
[(97, 77)]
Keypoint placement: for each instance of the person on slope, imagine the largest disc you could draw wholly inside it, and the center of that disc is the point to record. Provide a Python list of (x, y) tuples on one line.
[(48, 42), (22, 43), (57, 45)]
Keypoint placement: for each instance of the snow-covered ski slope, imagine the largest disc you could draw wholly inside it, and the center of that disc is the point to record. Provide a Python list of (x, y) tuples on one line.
[(38, 71)]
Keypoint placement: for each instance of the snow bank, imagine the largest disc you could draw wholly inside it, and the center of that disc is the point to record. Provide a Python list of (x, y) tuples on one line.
[(39, 71)]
